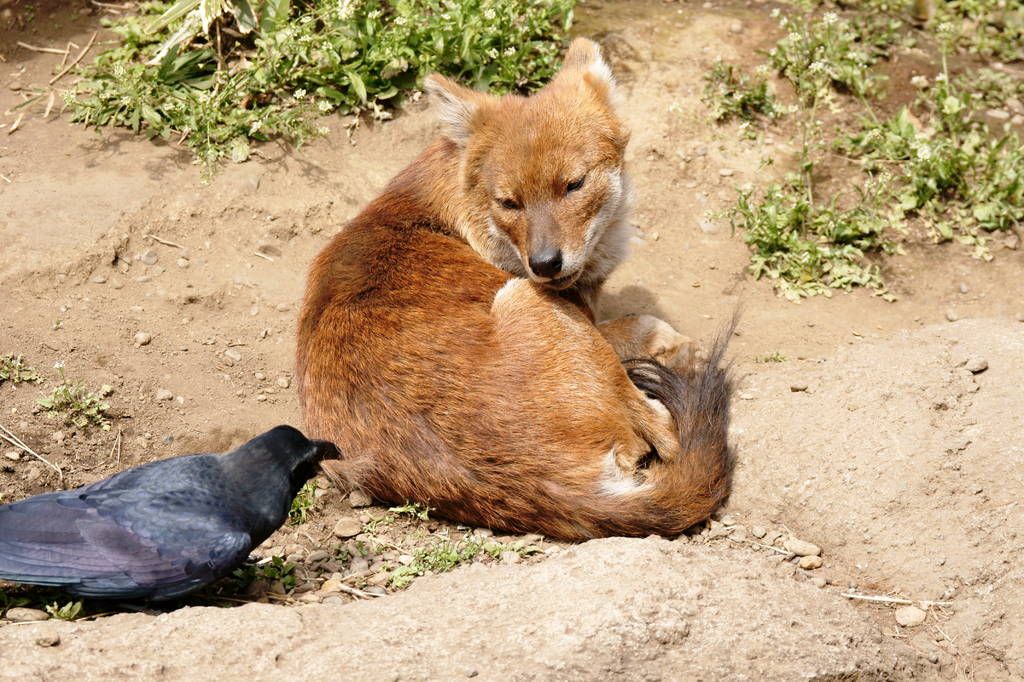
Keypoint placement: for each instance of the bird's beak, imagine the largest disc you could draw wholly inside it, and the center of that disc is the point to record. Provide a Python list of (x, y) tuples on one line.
[(325, 450)]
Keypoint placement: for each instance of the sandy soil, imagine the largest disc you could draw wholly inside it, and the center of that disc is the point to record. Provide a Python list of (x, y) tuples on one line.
[(901, 464)]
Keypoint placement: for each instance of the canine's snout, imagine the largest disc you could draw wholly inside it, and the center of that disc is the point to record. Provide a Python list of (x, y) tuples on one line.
[(546, 262)]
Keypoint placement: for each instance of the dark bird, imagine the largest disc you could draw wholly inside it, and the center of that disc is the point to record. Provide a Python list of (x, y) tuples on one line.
[(160, 530)]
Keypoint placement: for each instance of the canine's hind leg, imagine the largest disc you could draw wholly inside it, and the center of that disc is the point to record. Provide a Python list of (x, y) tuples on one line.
[(645, 337)]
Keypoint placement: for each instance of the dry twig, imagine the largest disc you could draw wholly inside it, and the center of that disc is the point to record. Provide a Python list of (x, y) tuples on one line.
[(77, 59), (894, 600), (165, 242), (48, 50), (8, 436)]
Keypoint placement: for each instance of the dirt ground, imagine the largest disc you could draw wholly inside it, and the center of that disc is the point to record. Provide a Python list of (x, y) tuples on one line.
[(871, 440)]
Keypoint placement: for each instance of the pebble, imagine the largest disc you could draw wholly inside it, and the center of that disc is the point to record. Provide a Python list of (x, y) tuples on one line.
[(818, 581), (736, 26), (758, 531), (377, 589), (728, 520), (510, 557), (164, 394), (708, 227), (183, 262), (809, 563), (964, 288), (348, 527), (910, 616), (798, 388), (318, 555), (142, 339), (57, 436), (99, 278), (406, 559), (284, 382), (357, 498), (998, 114), (746, 396), (976, 365), (50, 639), (726, 172), (12, 455), (149, 257), (14, 86), (331, 585), (233, 355), (951, 315), (801, 548), (21, 614)]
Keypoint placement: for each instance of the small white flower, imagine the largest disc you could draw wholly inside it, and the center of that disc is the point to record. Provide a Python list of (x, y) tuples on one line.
[(58, 365), (924, 152), (941, 78), (509, 51), (255, 126), (324, 105), (830, 18), (126, 101), (400, 21), (323, 130), (119, 71), (919, 82), (793, 36), (492, 53), (489, 14), (300, 93), (776, 13)]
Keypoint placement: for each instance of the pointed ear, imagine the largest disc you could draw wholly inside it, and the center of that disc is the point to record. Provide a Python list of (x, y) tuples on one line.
[(456, 106), (584, 60)]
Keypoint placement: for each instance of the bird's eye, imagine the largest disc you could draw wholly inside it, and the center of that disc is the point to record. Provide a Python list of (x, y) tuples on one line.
[(509, 204), (575, 184)]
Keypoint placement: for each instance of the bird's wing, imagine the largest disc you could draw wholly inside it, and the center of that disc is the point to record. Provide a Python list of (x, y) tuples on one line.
[(79, 542)]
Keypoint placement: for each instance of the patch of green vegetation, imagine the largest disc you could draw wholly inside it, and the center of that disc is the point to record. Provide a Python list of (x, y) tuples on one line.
[(303, 502), (413, 509), (954, 172), (774, 356), (275, 569), (444, 555), (833, 53), (69, 611), (730, 93), (990, 88), (218, 79), (992, 28), (78, 406), (14, 369), (810, 248)]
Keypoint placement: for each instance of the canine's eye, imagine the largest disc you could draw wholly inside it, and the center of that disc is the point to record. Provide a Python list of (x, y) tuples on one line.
[(575, 185), (508, 204)]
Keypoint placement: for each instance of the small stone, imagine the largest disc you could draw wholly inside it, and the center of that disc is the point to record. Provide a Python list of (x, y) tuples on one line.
[(1018, 119), (331, 585), (57, 436), (951, 315), (142, 339), (798, 387), (910, 616), (758, 531), (964, 288), (818, 581), (483, 532), (12, 455), (746, 396), (1014, 104), (233, 355), (728, 520), (50, 639), (655, 236), (708, 227), (933, 658), (801, 548), (164, 394), (998, 114), (377, 589), (318, 555), (736, 26), (976, 365), (284, 382), (14, 86), (809, 563), (348, 527), (21, 614), (726, 172), (269, 250), (149, 257), (357, 498), (98, 278), (183, 262), (406, 559), (510, 557)]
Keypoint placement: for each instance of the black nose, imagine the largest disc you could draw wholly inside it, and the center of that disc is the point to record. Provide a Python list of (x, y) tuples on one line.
[(546, 263)]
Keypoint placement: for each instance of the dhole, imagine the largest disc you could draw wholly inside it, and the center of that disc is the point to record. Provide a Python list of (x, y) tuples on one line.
[(447, 346)]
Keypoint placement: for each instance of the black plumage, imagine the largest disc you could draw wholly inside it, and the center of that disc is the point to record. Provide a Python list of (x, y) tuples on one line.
[(160, 530)]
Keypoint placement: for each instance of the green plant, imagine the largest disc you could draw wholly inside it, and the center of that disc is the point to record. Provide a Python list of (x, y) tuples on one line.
[(418, 511), (993, 28), (217, 90), (818, 56), (303, 502), (275, 569), (440, 557), (729, 94), (955, 172), (79, 406), (810, 248), (69, 611), (14, 369), (774, 356), (990, 88)]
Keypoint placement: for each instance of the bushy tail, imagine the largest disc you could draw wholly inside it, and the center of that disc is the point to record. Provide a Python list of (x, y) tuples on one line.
[(686, 490)]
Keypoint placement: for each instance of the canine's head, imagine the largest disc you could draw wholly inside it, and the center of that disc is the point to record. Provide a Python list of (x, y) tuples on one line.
[(546, 170)]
